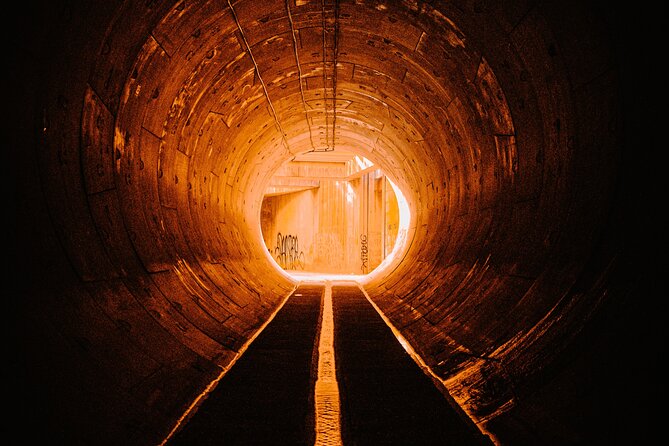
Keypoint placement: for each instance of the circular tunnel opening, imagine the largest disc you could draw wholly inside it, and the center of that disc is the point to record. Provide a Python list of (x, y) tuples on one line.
[(332, 213)]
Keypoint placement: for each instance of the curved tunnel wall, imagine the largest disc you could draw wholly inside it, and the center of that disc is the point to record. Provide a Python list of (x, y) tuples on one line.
[(153, 128)]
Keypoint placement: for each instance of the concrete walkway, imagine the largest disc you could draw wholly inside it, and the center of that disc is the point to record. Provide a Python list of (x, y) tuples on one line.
[(386, 398), (267, 397)]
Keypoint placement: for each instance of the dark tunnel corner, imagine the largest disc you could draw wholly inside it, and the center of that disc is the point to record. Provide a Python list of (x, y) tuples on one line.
[(605, 386)]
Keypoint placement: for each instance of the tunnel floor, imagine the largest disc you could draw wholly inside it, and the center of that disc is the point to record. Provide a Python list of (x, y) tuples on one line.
[(267, 397)]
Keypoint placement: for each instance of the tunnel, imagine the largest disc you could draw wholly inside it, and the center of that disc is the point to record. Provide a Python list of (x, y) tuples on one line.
[(143, 135)]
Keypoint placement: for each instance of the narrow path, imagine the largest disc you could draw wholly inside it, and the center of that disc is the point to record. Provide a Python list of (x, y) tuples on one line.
[(267, 396), (386, 398), (327, 371)]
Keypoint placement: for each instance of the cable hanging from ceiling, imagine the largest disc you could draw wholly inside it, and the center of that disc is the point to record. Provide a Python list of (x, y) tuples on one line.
[(260, 79), (330, 23), (293, 32)]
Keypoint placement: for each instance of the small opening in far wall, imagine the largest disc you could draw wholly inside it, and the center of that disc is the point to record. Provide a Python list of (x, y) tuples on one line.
[(331, 213)]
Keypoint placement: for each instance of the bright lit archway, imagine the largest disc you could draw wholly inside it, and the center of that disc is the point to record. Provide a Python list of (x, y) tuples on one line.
[(331, 214)]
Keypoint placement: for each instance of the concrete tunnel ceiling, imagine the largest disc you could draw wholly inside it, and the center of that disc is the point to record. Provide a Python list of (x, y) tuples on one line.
[(251, 87), (161, 124)]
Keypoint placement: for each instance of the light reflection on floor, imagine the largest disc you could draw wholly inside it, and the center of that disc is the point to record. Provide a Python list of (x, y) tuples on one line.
[(326, 393), (305, 276)]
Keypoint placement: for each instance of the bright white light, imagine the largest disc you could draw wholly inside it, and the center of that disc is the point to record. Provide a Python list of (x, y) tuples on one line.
[(306, 276), (403, 205), (403, 230), (350, 193), (362, 162)]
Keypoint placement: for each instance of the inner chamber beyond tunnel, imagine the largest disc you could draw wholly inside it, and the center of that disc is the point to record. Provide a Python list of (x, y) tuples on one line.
[(331, 212)]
